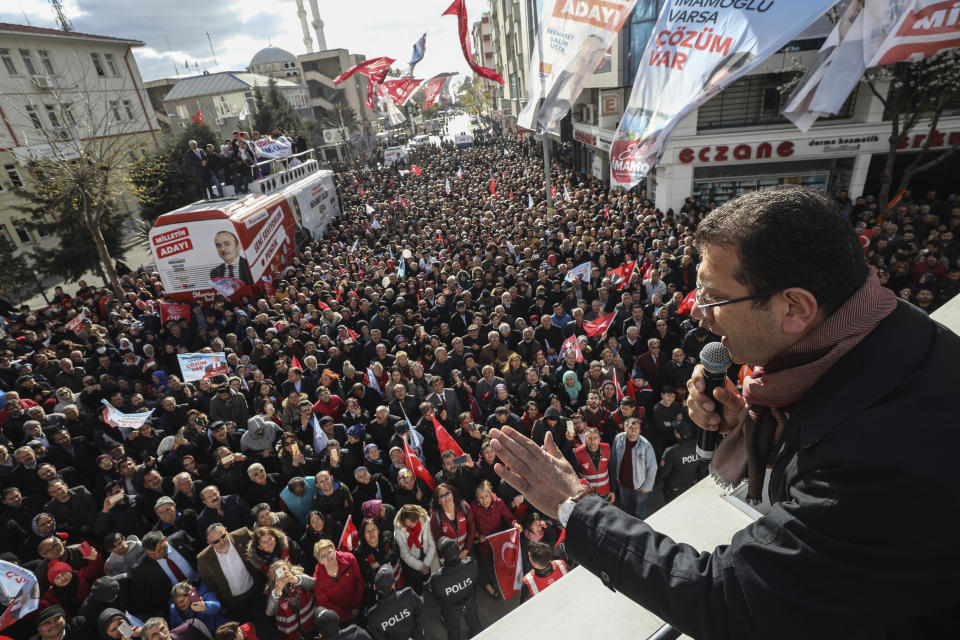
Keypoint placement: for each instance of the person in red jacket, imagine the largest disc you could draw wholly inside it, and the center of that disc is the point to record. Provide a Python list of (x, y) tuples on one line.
[(452, 517), (328, 404), (68, 588), (338, 583), (491, 515)]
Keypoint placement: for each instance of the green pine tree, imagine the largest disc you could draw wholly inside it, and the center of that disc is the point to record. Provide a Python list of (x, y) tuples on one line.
[(50, 197), (272, 110), (163, 182)]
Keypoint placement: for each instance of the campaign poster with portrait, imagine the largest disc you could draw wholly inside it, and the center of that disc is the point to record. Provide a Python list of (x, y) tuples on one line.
[(197, 366)]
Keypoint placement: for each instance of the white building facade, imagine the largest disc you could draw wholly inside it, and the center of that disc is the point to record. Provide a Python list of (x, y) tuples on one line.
[(62, 88)]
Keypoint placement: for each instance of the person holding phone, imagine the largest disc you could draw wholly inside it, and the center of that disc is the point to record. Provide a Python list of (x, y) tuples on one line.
[(113, 624), (452, 517), (187, 603), (290, 599)]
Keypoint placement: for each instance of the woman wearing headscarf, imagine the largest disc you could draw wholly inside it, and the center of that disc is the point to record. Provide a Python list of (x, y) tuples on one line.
[(573, 394), (369, 487), (109, 625), (376, 548)]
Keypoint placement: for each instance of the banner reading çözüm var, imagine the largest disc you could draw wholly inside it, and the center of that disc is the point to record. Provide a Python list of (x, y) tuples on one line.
[(697, 48), (572, 40), (196, 366), (270, 148)]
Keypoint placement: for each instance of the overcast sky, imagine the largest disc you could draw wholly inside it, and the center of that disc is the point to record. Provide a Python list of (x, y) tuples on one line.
[(240, 28)]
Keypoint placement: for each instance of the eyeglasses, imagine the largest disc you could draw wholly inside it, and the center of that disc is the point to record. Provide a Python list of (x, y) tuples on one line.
[(703, 302), (219, 540)]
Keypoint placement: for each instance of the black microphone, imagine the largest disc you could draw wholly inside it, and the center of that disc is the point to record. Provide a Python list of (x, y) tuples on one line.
[(715, 360)]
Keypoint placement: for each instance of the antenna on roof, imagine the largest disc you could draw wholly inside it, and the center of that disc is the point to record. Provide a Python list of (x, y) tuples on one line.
[(62, 20), (176, 67), (211, 49)]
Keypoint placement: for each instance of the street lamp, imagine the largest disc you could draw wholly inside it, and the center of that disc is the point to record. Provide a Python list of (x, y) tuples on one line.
[(43, 292)]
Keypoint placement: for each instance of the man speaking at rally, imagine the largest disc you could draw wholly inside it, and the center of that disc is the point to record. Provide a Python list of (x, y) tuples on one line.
[(853, 394)]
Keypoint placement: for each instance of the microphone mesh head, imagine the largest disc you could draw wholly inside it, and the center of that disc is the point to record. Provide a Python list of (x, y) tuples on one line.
[(715, 358)]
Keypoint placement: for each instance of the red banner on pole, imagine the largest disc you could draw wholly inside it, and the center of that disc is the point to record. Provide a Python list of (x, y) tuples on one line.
[(432, 91), (375, 68), (620, 277), (459, 9), (401, 90), (506, 561)]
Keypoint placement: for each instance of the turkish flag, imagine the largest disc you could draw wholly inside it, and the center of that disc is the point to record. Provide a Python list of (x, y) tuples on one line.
[(506, 561), (415, 169), (198, 117), (616, 384), (445, 441), (688, 302), (414, 464), (600, 325), (349, 537), (622, 274), (267, 285), (174, 311), (571, 343), (459, 9), (375, 68), (493, 186), (296, 363)]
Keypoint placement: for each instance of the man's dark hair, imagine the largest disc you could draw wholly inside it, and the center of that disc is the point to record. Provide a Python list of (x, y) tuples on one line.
[(789, 236), (151, 540), (112, 539), (540, 553)]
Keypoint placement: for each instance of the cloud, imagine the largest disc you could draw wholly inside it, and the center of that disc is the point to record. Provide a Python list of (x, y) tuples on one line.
[(242, 27)]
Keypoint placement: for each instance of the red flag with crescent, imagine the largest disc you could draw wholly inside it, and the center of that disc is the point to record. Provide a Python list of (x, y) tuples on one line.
[(506, 561)]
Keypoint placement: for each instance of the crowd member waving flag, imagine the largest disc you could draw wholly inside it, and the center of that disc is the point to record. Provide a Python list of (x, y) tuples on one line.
[(581, 271), (600, 325), (620, 277)]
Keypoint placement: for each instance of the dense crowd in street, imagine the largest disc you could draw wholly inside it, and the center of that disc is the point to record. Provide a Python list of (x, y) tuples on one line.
[(443, 314)]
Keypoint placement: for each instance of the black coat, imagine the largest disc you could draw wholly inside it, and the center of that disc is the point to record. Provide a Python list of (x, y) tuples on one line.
[(860, 540), (150, 585)]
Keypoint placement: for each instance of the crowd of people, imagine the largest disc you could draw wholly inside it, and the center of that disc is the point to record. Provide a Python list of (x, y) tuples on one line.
[(445, 313), (237, 162)]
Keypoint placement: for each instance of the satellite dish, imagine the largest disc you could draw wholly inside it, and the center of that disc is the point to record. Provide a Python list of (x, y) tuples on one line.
[(407, 254), (385, 282)]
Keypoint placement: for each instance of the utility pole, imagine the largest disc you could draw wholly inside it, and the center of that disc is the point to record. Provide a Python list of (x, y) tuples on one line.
[(541, 132), (210, 42)]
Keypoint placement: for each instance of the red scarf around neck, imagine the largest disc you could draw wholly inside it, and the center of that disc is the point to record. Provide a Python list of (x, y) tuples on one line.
[(750, 448), (413, 537)]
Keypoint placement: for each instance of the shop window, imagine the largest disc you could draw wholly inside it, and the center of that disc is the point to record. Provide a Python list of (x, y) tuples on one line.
[(755, 100)]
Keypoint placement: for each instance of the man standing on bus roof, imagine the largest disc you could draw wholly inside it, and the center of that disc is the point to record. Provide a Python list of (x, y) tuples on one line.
[(234, 265)]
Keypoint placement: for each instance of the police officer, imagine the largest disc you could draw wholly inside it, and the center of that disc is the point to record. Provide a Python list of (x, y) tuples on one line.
[(326, 624), (681, 467), (397, 615), (455, 586)]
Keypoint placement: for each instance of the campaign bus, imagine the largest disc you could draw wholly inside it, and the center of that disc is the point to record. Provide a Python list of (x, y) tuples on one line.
[(235, 246)]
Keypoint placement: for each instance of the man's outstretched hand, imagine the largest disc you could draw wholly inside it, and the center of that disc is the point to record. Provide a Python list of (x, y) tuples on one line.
[(543, 476)]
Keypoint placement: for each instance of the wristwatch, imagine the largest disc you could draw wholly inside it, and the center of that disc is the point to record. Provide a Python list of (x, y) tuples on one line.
[(565, 508)]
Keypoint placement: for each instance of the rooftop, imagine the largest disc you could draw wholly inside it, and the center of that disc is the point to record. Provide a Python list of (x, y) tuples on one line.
[(220, 83), (28, 30)]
